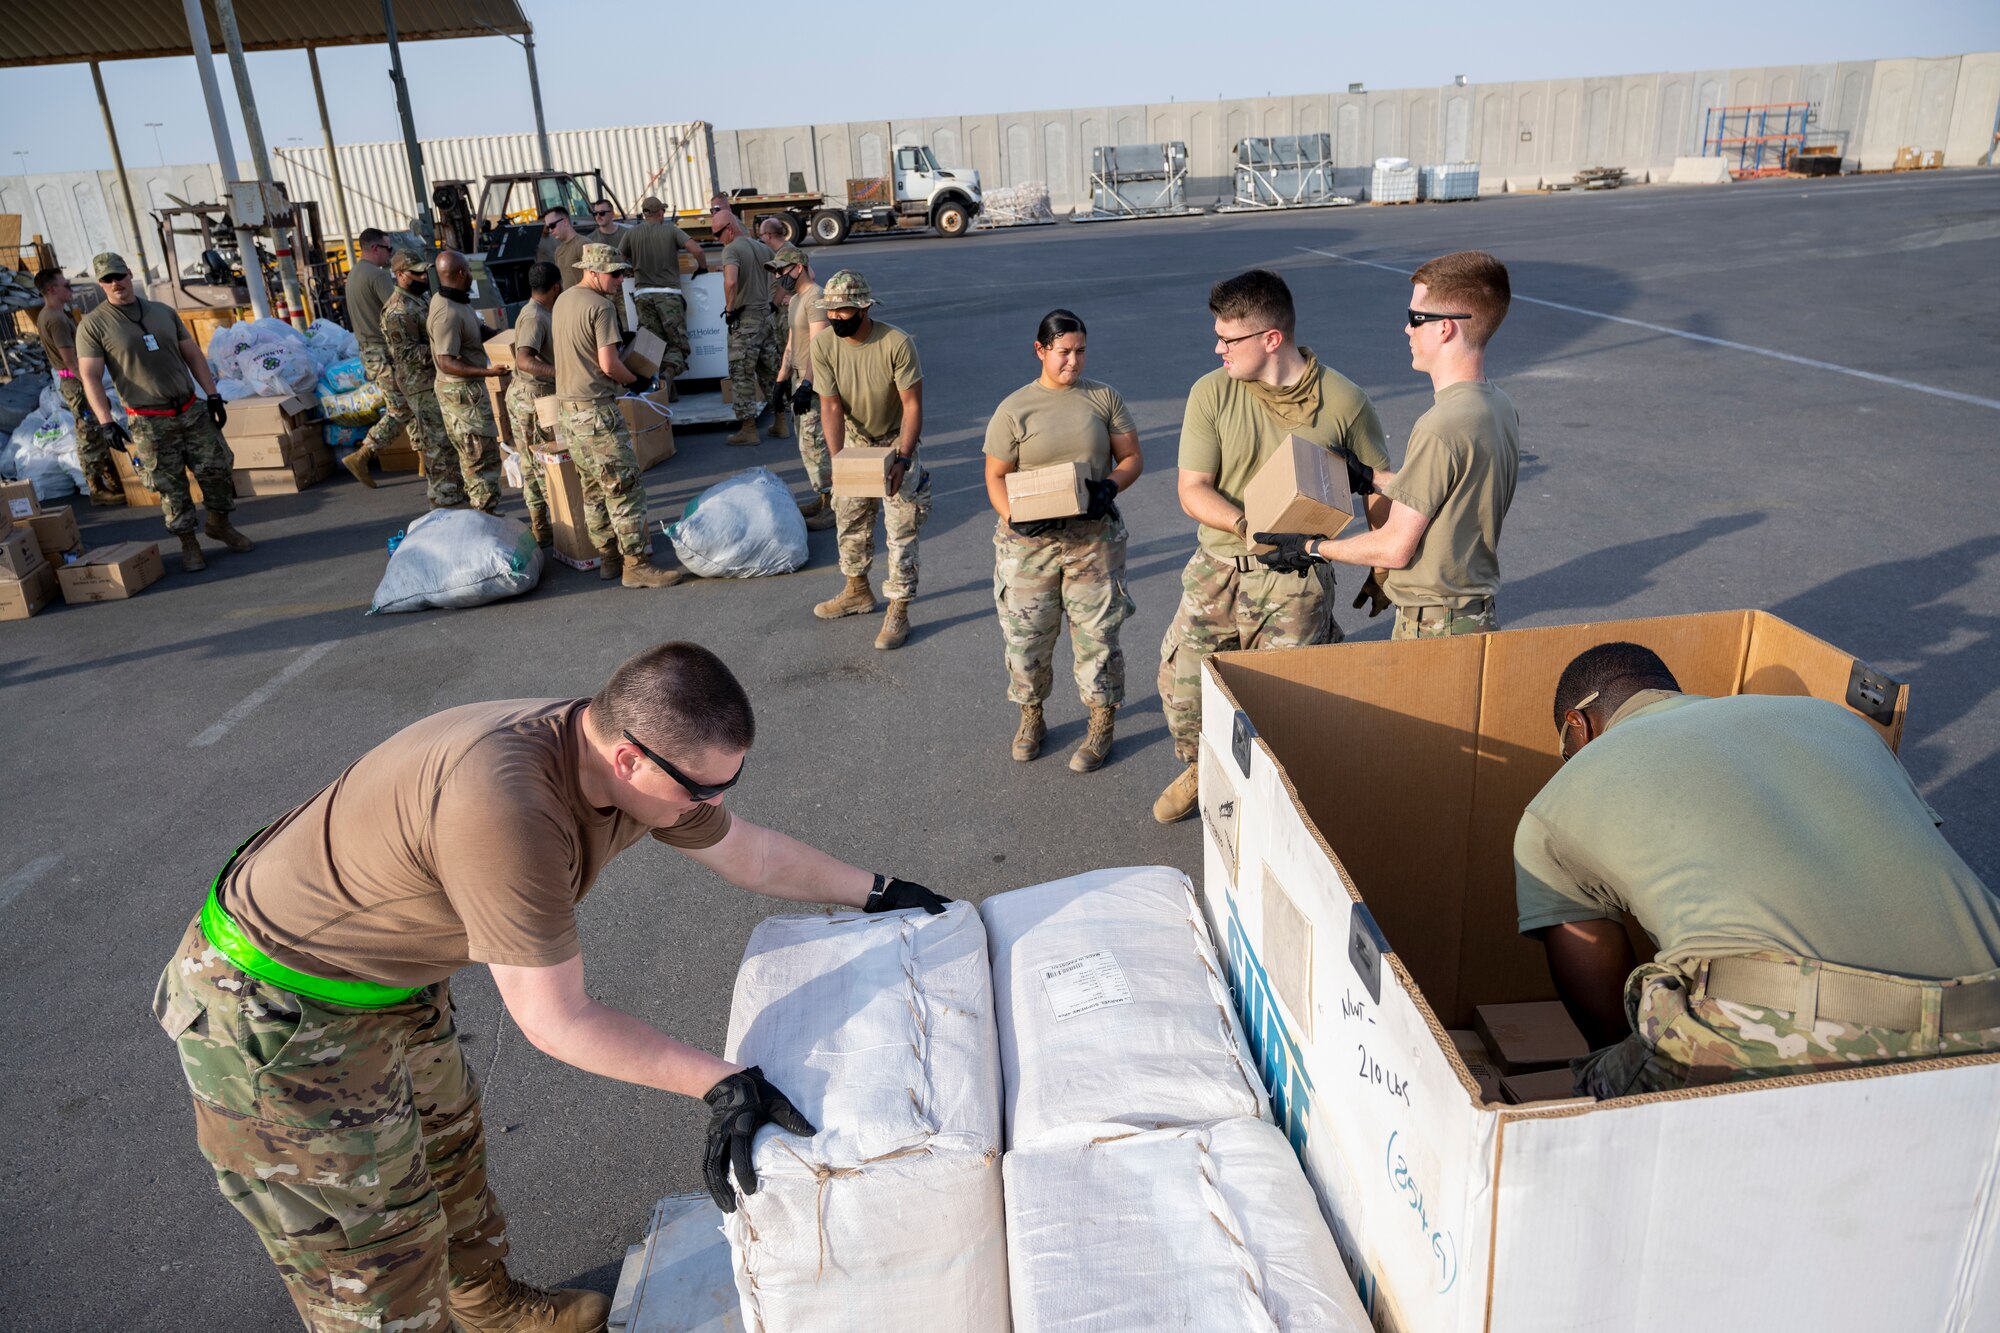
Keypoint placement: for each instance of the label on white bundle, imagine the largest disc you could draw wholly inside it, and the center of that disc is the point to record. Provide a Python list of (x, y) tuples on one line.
[(1084, 985)]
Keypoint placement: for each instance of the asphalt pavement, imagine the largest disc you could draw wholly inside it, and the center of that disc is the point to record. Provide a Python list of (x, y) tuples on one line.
[(1778, 395)]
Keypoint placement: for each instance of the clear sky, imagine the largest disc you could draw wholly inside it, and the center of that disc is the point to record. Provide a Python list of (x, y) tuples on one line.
[(858, 60)]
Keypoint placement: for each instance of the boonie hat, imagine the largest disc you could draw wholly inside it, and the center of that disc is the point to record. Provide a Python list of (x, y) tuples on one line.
[(109, 265), (408, 261), (787, 256), (600, 258), (844, 289)]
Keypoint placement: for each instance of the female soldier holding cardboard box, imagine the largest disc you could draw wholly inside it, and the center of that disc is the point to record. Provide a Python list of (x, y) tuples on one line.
[(1044, 567)]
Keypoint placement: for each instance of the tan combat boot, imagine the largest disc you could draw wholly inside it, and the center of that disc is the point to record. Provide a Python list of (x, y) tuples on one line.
[(545, 532), (895, 625), (1096, 747), (357, 463), (610, 564), (192, 560), (641, 572), (106, 491), (219, 527), (746, 433), (781, 424), (496, 1303), (1178, 801), (1028, 737), (823, 517), (807, 508), (856, 599)]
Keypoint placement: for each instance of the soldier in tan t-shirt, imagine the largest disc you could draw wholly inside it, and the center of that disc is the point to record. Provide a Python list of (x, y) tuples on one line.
[(58, 334), (311, 1003), (653, 249)]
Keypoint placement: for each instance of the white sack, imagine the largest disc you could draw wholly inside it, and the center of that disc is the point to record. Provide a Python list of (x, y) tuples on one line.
[(888, 1220), (1112, 1230), (741, 527), (458, 558), (1163, 1048)]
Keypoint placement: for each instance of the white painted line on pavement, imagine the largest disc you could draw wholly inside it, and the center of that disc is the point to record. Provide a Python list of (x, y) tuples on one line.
[(1891, 380), (259, 696), (24, 879)]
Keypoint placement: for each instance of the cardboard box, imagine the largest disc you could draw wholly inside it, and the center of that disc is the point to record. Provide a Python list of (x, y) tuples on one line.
[(564, 489), (1478, 1063), (861, 472), (1048, 492), (649, 421), (500, 349), (548, 411), (1362, 919), (272, 451), (19, 498), (56, 531), (21, 598), (309, 464), (496, 398), (1300, 488), (19, 554), (265, 416), (643, 353), (1544, 1085), (112, 573), (1523, 1038)]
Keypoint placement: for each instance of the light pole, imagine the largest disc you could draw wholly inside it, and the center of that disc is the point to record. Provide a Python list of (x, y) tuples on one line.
[(29, 186), (159, 152)]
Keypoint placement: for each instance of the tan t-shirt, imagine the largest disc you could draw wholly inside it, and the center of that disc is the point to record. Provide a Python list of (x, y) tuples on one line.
[(1227, 431), (455, 330), (653, 249), (534, 331), (463, 838), (368, 286), (141, 346), (801, 313), (1464, 456), (868, 377), (753, 280), (566, 256), (1037, 426), (58, 334), (583, 322)]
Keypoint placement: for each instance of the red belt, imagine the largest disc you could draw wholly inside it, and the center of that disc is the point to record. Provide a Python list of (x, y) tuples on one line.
[(160, 411)]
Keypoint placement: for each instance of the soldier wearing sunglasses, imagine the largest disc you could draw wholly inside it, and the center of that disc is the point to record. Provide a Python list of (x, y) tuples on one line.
[(310, 997)]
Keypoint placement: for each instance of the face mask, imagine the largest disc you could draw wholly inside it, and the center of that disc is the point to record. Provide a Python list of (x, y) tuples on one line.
[(844, 328), (787, 282), (418, 288), (463, 297)]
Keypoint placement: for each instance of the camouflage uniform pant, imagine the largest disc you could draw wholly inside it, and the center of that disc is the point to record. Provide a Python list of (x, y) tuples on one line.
[(1683, 1038), (1078, 570), (1442, 622), (746, 355), (812, 448), (1223, 610), (165, 449), (903, 516), (614, 499), (530, 440), (93, 444), (433, 442), (665, 313), (777, 332), (395, 408), (468, 421), (349, 1139)]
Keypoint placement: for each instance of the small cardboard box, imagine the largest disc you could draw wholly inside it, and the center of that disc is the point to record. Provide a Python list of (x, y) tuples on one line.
[(56, 531), (496, 399), (21, 598), (266, 416), (1300, 488), (269, 451), (309, 464), (1060, 491), (564, 488), (649, 422), (112, 573), (861, 472), (399, 455), (500, 349), (643, 352), (19, 554), (1544, 1085), (548, 411), (19, 498), (1477, 1063), (1524, 1038)]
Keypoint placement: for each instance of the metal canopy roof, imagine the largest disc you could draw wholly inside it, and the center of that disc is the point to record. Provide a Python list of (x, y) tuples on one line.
[(79, 30)]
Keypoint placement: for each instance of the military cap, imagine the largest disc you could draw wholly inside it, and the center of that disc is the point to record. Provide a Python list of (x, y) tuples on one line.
[(845, 289), (408, 261), (600, 258), (652, 204), (109, 265), (787, 256)]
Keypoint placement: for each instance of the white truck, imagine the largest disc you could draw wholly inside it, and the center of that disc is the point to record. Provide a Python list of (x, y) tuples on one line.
[(916, 193)]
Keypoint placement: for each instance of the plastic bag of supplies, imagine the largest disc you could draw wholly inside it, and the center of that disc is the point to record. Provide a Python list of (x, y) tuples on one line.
[(740, 528), (458, 558)]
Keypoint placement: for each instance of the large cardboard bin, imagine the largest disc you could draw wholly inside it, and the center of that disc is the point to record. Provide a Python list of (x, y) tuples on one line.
[(1359, 803)]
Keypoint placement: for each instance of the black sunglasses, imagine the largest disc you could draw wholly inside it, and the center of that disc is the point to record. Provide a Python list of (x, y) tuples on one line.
[(600, 212), (696, 791), (1419, 318)]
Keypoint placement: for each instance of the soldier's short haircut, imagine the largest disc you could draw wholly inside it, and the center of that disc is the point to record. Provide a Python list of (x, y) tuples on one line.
[(372, 236), (544, 276), (1258, 297), (677, 698), (772, 222), (47, 278), (558, 210), (1471, 281), (1614, 672)]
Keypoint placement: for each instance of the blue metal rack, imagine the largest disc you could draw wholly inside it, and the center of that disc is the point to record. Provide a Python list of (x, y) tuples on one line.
[(1762, 138)]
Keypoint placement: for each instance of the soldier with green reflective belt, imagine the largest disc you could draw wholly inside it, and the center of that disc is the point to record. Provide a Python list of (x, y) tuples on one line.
[(1433, 550), (792, 277), (1807, 914), (589, 374), (1267, 387), (457, 340), (535, 377), (871, 393), (155, 366), (653, 249), (1044, 569), (406, 333), (746, 309), (369, 287), (58, 335)]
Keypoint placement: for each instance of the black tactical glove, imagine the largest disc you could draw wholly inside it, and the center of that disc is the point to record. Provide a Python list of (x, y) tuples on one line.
[(217, 412), (1371, 593), (739, 1106), (1294, 554), (487, 333), (1037, 527), (1360, 477), (802, 398), (1103, 499), (730, 317), (120, 437), (893, 895)]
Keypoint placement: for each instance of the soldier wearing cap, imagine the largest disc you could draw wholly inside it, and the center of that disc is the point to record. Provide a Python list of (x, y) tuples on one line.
[(458, 350), (773, 236), (792, 278), (58, 334), (369, 287), (406, 335), (155, 366), (588, 377), (653, 249), (746, 309), (871, 393), (534, 377)]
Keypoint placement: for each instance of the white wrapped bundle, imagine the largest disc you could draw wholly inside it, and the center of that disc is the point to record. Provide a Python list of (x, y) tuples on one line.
[(888, 1220), (1112, 1007), (1113, 1230)]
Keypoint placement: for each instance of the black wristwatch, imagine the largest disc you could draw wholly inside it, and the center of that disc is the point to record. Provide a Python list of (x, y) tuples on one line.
[(875, 894)]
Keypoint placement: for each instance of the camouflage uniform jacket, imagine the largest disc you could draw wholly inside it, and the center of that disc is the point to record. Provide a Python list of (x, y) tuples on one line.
[(409, 342)]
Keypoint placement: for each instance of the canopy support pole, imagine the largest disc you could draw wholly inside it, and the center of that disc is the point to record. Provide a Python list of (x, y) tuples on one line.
[(225, 152), (285, 233), (425, 225), (332, 158), (535, 92), (118, 165)]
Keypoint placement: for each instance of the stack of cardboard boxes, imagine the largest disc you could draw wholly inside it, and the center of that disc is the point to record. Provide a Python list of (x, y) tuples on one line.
[(27, 582), (41, 552), (279, 443)]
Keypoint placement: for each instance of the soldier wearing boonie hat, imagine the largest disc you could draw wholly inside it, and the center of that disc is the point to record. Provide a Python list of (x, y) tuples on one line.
[(792, 272), (653, 248), (406, 336)]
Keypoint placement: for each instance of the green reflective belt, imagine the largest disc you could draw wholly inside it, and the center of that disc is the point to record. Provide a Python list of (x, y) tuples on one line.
[(227, 936)]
